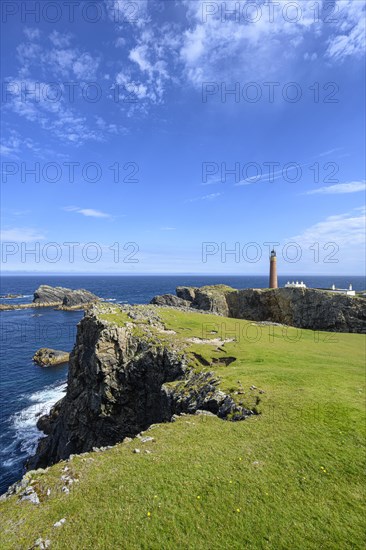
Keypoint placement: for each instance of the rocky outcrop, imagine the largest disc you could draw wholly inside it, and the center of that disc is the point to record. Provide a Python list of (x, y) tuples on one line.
[(303, 308), (170, 300), (46, 357), (65, 297), (120, 382)]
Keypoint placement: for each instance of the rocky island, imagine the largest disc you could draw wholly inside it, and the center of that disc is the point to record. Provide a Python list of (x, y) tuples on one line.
[(46, 357), (57, 297)]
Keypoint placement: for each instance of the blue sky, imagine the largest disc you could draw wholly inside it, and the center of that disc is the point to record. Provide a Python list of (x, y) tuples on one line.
[(229, 130)]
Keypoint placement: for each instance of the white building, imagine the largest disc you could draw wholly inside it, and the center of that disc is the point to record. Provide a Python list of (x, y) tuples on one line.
[(347, 291), (295, 285)]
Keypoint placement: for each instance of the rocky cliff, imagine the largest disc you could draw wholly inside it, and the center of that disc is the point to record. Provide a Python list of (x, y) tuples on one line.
[(123, 377), (302, 308)]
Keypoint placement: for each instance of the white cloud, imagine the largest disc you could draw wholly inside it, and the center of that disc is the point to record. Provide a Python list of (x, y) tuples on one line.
[(152, 56), (219, 47), (339, 188), (38, 102), (85, 67), (120, 42), (167, 229), (60, 40), (60, 59), (10, 146), (32, 33), (222, 48), (348, 38), (88, 212), (55, 117), (252, 44), (21, 234), (346, 230), (310, 56)]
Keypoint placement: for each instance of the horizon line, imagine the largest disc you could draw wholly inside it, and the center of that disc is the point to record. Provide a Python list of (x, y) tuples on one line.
[(189, 274)]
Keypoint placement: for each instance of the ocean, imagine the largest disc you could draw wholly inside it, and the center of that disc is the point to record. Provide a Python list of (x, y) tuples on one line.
[(27, 390)]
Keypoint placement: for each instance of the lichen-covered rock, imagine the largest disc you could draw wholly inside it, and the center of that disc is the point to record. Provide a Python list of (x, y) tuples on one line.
[(46, 357), (120, 382), (169, 300), (186, 292), (303, 308)]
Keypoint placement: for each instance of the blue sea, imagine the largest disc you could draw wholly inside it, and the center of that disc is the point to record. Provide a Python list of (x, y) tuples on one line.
[(27, 390)]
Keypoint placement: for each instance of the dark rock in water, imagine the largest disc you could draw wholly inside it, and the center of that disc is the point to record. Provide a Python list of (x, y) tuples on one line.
[(63, 296), (46, 357), (76, 297), (298, 307), (44, 423), (119, 384)]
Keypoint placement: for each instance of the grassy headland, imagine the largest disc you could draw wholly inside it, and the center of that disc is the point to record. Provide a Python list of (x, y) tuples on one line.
[(291, 477)]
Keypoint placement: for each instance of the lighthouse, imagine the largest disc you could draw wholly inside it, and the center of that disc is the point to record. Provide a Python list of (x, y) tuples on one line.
[(273, 282)]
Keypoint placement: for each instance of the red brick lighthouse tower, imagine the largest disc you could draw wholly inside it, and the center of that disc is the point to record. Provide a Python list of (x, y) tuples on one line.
[(273, 282)]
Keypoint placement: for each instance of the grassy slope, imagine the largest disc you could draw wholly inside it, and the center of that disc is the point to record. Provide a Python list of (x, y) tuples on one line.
[(289, 478)]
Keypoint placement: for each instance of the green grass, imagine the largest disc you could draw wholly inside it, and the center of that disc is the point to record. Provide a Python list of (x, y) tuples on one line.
[(118, 317), (289, 478)]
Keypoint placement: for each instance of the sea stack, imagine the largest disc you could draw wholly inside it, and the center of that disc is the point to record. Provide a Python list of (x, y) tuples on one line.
[(273, 281)]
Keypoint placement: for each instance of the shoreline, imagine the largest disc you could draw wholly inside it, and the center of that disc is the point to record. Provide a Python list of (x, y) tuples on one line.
[(56, 305)]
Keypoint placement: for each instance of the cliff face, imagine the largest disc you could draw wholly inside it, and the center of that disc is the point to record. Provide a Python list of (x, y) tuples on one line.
[(118, 385), (302, 308)]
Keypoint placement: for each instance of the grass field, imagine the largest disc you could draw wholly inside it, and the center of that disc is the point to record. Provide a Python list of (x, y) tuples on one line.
[(290, 478)]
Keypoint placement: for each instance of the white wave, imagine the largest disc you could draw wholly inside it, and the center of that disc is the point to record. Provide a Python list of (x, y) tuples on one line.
[(109, 299), (24, 421)]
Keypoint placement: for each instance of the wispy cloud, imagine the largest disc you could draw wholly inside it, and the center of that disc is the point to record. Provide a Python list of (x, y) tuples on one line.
[(21, 234), (167, 229), (27, 95), (339, 188), (330, 151), (210, 197), (346, 230), (270, 175), (88, 212)]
